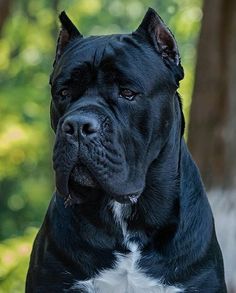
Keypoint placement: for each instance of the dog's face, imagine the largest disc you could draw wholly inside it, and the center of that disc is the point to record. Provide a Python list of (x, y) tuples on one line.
[(112, 106)]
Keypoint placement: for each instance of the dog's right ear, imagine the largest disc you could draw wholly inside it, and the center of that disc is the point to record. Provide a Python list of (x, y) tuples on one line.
[(68, 32)]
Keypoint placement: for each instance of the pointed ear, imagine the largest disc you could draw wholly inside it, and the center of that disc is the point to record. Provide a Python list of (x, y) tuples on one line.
[(162, 38), (68, 32)]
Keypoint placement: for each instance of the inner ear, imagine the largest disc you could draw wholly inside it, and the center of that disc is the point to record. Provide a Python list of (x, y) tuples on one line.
[(167, 44), (67, 34), (164, 41), (62, 42)]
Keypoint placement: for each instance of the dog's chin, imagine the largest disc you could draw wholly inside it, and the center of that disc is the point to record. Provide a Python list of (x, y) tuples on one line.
[(131, 198), (81, 176), (83, 187)]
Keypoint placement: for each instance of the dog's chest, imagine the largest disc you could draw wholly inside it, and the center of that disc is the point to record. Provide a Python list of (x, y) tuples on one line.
[(125, 276)]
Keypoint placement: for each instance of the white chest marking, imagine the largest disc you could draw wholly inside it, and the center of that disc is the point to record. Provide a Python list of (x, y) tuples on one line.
[(125, 276)]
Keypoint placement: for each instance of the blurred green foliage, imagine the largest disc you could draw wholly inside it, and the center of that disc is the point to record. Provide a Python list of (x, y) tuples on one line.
[(27, 45), (14, 258)]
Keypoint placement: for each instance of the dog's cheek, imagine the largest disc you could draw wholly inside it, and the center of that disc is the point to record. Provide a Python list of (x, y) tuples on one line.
[(166, 117), (166, 124), (162, 125)]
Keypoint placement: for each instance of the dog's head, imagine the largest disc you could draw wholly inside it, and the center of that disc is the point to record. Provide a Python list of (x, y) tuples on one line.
[(112, 106)]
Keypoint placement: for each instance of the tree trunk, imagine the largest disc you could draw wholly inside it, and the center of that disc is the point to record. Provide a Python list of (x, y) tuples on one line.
[(212, 129), (4, 11)]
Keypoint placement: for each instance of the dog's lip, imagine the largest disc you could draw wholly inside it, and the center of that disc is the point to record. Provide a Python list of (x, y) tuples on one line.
[(63, 163), (62, 183)]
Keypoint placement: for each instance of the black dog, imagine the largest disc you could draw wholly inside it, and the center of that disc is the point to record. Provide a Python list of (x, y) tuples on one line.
[(130, 213)]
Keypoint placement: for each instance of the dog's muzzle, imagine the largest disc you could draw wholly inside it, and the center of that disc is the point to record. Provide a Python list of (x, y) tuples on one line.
[(74, 130), (87, 154)]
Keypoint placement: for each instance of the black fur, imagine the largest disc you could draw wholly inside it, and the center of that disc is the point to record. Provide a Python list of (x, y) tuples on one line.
[(131, 148)]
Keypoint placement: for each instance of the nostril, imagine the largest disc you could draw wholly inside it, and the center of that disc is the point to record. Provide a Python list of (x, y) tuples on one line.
[(88, 128), (68, 128)]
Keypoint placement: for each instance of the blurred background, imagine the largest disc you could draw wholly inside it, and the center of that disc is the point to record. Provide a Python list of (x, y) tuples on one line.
[(206, 34)]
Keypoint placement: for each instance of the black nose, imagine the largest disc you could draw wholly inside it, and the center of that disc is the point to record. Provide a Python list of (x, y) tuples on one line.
[(81, 125)]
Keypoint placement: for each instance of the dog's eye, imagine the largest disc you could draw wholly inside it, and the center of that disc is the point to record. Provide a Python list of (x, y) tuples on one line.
[(127, 94), (63, 95), (64, 92)]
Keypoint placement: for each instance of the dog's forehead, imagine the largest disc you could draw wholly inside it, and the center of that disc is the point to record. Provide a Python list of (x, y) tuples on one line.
[(125, 51), (95, 49)]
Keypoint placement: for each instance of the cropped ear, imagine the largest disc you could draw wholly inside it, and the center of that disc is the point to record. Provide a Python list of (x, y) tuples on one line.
[(162, 38), (68, 32)]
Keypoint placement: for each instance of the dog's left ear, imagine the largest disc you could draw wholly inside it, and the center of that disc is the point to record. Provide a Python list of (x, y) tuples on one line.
[(67, 34), (153, 26)]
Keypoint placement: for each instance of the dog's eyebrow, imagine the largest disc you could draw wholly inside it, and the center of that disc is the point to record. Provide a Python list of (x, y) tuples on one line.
[(121, 75), (132, 83), (80, 68), (64, 76)]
